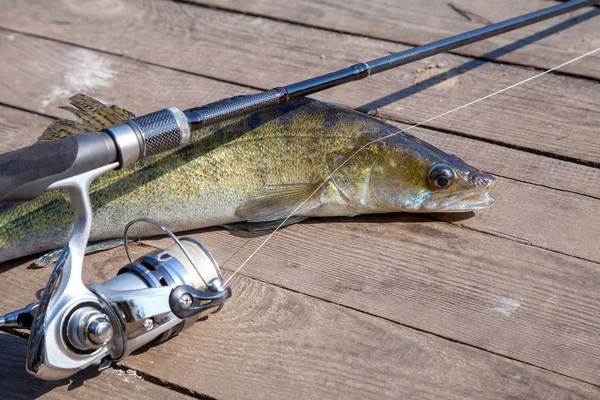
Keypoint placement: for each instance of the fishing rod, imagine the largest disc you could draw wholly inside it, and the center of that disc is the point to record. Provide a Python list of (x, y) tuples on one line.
[(280, 95), (156, 296)]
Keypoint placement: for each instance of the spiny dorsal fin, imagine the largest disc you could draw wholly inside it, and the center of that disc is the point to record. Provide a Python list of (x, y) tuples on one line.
[(93, 117)]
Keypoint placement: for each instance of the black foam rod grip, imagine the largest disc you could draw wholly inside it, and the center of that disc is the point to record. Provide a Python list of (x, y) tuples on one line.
[(27, 172)]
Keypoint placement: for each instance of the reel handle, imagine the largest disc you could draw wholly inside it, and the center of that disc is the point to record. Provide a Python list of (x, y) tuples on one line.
[(27, 172)]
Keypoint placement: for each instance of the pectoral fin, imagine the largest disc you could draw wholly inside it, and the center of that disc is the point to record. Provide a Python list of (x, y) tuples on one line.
[(279, 202)]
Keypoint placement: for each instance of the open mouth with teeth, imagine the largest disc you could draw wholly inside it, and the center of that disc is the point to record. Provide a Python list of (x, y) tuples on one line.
[(463, 202)]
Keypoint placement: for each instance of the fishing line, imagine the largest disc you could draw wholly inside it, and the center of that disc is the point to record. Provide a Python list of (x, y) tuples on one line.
[(396, 133)]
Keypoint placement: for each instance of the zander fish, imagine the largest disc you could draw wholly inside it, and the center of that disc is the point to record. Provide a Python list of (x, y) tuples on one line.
[(252, 172)]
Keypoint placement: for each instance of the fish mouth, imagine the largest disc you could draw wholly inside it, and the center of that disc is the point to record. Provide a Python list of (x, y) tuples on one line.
[(464, 202)]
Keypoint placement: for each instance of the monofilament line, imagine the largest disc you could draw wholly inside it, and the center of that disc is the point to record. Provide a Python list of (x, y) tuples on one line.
[(400, 131)]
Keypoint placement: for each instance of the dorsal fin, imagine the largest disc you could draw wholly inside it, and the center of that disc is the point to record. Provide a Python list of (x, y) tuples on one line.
[(93, 117)]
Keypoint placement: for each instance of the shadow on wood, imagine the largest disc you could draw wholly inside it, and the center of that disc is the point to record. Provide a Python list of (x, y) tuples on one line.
[(15, 378), (475, 63)]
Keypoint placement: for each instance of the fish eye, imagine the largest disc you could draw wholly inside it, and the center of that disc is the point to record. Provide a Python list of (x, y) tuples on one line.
[(440, 176)]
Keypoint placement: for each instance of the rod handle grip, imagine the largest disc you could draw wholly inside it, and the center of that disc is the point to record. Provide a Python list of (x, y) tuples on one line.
[(27, 172)]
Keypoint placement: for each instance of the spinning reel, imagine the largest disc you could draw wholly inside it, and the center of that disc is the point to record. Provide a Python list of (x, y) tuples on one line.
[(150, 300)]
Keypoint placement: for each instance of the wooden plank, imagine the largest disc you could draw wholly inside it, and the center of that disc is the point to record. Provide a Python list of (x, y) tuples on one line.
[(542, 217), (571, 230), (263, 53), (43, 77), (525, 303), (269, 342), (19, 128), (17, 384), (418, 22)]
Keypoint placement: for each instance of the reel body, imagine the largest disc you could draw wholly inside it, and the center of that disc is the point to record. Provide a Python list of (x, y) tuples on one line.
[(160, 294), (150, 300)]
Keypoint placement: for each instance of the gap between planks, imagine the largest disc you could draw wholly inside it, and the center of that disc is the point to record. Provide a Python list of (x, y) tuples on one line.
[(525, 149), (151, 379), (114, 383)]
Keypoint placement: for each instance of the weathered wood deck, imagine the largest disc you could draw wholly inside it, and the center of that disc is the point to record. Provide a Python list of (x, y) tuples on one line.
[(500, 305)]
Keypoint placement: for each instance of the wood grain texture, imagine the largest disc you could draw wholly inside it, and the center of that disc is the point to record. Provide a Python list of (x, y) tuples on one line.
[(514, 300), (19, 128), (270, 343), (542, 217), (501, 295), (418, 22), (17, 384), (495, 294), (263, 53), (41, 75), (521, 212)]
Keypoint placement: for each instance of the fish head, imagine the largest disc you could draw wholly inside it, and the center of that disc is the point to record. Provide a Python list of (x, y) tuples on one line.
[(403, 173)]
